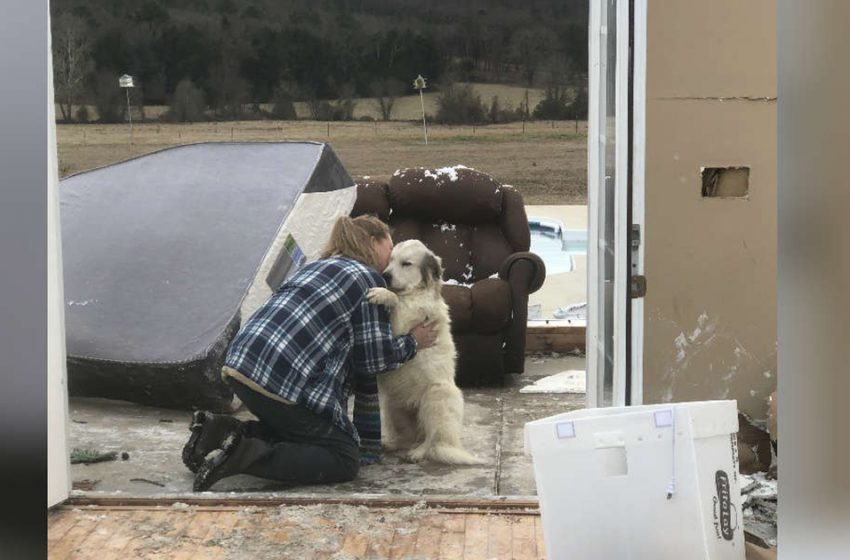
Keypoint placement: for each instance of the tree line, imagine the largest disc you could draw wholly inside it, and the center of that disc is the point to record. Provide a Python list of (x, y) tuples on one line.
[(231, 56)]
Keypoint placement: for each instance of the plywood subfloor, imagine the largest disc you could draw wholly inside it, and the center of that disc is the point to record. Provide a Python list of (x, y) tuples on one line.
[(323, 531)]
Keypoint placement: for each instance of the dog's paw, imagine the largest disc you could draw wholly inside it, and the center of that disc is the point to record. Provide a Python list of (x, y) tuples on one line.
[(382, 296), (417, 455), (395, 445)]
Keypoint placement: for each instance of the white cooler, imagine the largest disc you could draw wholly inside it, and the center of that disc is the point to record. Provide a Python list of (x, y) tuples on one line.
[(604, 476)]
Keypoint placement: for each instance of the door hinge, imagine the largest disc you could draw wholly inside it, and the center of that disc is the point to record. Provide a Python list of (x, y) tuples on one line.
[(637, 286), (637, 282), (634, 237)]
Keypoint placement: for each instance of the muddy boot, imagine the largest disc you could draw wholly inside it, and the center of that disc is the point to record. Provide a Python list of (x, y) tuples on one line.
[(208, 431), (256, 429), (234, 456)]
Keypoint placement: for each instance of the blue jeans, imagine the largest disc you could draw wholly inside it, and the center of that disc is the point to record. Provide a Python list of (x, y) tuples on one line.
[(302, 446)]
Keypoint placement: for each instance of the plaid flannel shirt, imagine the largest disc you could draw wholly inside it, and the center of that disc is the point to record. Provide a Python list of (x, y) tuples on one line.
[(317, 339)]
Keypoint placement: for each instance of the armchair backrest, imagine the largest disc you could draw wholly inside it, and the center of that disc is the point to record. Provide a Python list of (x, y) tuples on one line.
[(470, 220)]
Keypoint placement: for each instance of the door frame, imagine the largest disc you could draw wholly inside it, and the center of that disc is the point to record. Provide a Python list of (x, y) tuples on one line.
[(58, 458), (626, 345)]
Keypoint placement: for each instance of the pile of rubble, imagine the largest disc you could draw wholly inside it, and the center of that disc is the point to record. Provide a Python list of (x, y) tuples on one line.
[(759, 495)]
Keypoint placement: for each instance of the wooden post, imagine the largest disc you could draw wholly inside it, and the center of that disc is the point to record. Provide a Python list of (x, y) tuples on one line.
[(129, 114), (424, 124), (329, 130), (231, 134)]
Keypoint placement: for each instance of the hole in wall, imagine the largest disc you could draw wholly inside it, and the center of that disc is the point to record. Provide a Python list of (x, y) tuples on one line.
[(725, 182)]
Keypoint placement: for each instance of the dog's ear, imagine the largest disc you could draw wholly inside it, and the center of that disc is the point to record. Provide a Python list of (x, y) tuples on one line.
[(432, 269)]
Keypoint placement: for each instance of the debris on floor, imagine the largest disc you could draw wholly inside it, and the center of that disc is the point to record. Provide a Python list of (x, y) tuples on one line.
[(89, 456), (759, 497), (148, 481), (574, 311), (569, 381), (755, 452), (85, 484)]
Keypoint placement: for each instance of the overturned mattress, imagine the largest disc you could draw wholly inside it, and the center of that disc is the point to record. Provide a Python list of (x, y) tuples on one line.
[(165, 254)]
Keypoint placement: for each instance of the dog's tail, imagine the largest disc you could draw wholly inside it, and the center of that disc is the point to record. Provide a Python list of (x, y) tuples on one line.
[(452, 455)]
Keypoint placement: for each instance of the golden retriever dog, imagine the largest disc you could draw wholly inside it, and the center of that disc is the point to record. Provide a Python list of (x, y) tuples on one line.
[(421, 407)]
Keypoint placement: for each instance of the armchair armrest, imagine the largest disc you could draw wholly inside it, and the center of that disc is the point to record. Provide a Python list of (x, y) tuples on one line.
[(525, 273), (533, 269)]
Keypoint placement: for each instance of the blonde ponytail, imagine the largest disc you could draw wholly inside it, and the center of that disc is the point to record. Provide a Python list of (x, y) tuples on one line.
[(352, 238)]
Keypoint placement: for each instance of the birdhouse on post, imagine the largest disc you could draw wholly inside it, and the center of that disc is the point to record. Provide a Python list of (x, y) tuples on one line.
[(126, 82)]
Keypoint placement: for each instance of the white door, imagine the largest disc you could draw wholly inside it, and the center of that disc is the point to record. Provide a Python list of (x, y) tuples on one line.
[(615, 202)]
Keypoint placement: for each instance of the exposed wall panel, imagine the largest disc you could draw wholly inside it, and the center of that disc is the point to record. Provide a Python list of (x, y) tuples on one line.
[(710, 315), (719, 48)]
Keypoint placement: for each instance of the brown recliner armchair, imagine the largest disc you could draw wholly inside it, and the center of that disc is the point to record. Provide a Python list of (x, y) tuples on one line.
[(480, 230)]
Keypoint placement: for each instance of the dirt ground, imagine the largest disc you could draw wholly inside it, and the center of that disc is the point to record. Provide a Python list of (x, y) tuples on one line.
[(546, 160)]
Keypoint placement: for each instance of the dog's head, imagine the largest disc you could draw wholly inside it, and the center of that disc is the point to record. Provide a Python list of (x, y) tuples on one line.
[(413, 266)]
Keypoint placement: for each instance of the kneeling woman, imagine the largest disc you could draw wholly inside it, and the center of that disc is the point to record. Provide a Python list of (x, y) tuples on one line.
[(296, 361)]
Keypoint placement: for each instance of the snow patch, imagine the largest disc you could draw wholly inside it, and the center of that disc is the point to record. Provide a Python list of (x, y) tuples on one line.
[(467, 275), (445, 226), (450, 172), (569, 381), (82, 303)]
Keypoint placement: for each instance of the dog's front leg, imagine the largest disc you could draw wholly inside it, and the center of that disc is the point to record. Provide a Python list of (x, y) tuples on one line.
[(382, 296), (398, 428)]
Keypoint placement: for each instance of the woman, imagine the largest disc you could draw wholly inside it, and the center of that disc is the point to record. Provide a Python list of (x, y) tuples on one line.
[(294, 364)]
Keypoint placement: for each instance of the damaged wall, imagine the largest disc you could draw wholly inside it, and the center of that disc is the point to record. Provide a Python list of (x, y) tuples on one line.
[(710, 309)]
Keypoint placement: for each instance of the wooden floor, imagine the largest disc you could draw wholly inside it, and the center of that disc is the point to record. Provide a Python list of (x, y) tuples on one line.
[(324, 531)]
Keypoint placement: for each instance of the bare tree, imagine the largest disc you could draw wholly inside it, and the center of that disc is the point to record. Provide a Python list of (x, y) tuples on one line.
[(187, 104), (283, 97), (229, 90), (530, 47), (71, 60), (386, 91)]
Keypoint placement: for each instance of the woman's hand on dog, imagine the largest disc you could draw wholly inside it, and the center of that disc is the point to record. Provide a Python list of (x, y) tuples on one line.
[(425, 335)]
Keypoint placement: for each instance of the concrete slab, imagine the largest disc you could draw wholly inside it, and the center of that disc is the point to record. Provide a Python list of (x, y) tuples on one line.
[(153, 439)]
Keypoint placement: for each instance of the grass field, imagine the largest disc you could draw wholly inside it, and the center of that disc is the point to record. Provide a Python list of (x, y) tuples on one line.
[(547, 161), (406, 108)]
